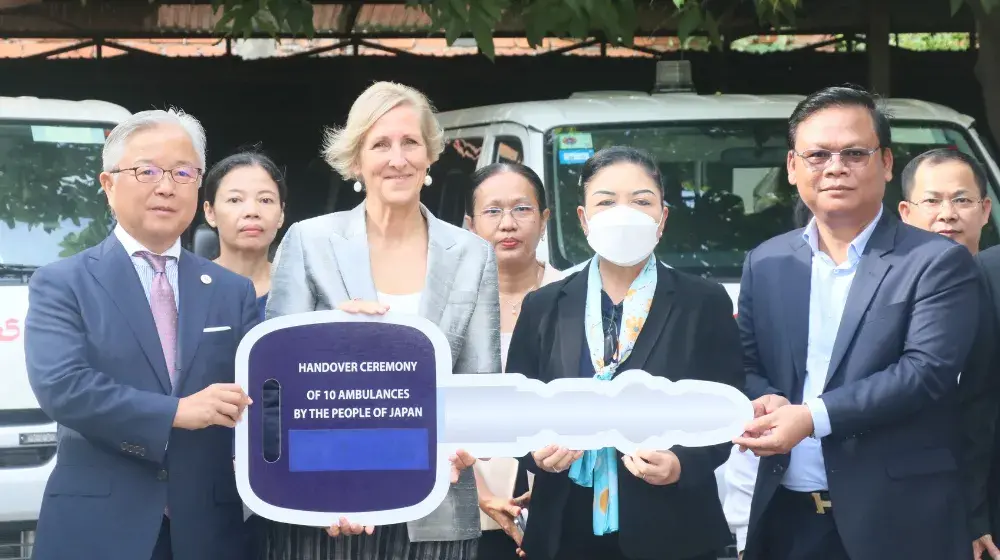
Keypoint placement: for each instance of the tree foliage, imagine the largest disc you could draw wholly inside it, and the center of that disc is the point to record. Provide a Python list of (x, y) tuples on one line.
[(52, 188), (614, 21)]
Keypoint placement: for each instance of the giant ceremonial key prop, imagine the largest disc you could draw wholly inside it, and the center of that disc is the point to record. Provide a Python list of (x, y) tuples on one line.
[(370, 412)]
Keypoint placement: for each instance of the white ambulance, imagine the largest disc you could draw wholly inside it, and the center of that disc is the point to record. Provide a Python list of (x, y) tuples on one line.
[(51, 207), (722, 158)]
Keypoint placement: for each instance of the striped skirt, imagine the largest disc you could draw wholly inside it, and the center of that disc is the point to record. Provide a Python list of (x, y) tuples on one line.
[(389, 542)]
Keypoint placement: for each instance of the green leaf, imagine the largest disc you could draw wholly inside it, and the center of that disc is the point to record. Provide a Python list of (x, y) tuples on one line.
[(243, 23), (492, 8), (483, 32), (679, 4), (453, 31), (302, 18), (460, 9), (534, 31), (225, 22), (576, 8), (266, 22), (712, 27), (578, 27), (786, 10), (689, 21), (629, 18), (763, 9), (956, 5)]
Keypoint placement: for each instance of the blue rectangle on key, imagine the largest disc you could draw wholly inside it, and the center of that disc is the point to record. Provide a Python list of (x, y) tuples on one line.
[(386, 449)]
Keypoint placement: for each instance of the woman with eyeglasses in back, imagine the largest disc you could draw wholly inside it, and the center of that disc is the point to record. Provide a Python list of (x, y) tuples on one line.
[(624, 310), (506, 206)]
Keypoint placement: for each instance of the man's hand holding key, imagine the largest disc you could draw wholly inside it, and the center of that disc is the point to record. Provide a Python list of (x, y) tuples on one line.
[(221, 404)]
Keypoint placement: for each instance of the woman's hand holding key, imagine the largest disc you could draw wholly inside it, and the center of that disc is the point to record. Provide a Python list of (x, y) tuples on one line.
[(555, 459)]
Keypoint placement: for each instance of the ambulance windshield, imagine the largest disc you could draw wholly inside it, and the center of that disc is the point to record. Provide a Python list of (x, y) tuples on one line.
[(724, 181), (51, 205)]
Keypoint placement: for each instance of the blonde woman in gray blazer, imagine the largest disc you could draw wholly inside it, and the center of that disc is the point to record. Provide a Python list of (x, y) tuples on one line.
[(391, 253)]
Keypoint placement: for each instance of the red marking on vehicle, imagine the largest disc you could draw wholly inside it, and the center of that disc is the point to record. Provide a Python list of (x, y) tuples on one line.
[(11, 331)]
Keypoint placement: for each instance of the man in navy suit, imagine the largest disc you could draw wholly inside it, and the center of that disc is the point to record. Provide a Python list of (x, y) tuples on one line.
[(855, 330), (130, 347)]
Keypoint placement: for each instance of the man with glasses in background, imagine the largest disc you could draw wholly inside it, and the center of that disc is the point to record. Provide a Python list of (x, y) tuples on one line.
[(130, 347), (945, 191), (854, 332)]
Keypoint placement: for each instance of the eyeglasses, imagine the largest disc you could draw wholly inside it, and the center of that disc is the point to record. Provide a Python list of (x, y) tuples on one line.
[(958, 203), (153, 174), (850, 157), (520, 213)]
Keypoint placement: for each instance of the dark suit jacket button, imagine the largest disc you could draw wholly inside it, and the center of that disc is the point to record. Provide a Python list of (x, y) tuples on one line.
[(162, 475), (778, 469)]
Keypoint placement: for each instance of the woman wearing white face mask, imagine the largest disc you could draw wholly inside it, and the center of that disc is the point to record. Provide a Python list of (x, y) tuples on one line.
[(624, 310)]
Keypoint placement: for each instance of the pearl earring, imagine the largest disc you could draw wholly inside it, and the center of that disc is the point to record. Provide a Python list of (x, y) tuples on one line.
[(357, 186), (427, 180)]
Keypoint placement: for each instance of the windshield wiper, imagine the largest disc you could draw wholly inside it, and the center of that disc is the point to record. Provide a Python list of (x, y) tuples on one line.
[(14, 270)]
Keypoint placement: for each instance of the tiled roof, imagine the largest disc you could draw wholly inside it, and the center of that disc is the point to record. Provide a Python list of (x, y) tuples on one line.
[(266, 48), (382, 18)]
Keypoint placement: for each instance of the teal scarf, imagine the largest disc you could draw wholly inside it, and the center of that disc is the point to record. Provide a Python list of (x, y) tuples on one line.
[(599, 469)]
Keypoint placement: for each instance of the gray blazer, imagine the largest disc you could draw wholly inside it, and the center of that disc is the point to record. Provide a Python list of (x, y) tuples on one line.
[(323, 261)]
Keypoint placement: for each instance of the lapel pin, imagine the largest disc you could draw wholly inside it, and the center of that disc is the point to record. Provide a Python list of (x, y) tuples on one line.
[(206, 279)]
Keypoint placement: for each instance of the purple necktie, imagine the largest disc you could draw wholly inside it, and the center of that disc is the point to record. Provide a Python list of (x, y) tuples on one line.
[(164, 308)]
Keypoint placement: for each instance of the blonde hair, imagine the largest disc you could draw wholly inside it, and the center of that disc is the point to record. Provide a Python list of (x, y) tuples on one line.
[(342, 146)]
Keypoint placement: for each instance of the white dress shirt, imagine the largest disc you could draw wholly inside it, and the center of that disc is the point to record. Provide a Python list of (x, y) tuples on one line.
[(143, 268), (739, 479), (828, 289)]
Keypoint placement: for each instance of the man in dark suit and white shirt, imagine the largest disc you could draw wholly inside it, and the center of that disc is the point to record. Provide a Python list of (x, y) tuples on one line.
[(130, 347), (945, 191), (855, 330)]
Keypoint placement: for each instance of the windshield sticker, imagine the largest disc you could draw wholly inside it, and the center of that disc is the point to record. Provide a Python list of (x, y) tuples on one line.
[(576, 141), (574, 157), (67, 135)]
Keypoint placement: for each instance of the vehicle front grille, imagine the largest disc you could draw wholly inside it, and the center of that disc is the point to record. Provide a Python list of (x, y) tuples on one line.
[(16, 545)]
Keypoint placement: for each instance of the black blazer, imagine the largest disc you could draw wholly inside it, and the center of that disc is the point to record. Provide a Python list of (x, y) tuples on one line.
[(690, 333), (980, 393)]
